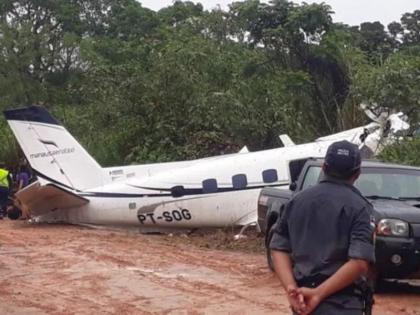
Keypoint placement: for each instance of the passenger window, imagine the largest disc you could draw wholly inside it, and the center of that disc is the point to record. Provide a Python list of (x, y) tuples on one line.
[(209, 186), (311, 177), (270, 176), (239, 181)]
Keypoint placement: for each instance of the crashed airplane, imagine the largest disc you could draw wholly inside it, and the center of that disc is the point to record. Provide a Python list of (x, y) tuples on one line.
[(211, 192)]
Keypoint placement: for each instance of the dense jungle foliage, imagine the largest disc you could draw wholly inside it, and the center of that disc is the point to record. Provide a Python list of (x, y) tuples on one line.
[(134, 85)]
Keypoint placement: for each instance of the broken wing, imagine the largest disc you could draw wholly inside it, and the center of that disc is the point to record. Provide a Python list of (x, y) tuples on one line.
[(40, 199)]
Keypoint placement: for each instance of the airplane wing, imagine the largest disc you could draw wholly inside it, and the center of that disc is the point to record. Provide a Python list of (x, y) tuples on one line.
[(41, 199), (352, 135)]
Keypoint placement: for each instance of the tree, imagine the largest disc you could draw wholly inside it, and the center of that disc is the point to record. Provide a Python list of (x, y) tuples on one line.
[(404, 152), (139, 86), (39, 41), (410, 23), (180, 12), (375, 41), (128, 20), (395, 84), (406, 33)]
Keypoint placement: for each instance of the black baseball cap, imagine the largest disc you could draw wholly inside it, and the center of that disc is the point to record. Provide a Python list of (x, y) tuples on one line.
[(343, 159)]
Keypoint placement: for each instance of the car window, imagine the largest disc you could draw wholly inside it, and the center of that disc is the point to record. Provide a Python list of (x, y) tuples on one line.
[(311, 176), (389, 182), (295, 167)]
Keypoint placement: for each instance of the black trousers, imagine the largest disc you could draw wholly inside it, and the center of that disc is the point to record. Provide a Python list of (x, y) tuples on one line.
[(4, 195)]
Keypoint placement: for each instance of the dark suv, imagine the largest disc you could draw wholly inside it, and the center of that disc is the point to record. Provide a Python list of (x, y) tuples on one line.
[(394, 191)]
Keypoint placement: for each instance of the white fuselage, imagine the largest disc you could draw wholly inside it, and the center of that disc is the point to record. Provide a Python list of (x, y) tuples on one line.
[(212, 192), (141, 195)]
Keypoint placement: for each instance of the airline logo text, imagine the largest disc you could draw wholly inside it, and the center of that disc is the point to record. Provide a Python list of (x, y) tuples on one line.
[(52, 153)]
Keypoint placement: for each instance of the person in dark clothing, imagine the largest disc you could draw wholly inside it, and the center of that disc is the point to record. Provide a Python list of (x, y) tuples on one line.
[(22, 178), (323, 242)]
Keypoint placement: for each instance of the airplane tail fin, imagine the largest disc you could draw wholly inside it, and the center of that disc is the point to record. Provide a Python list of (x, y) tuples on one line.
[(52, 152)]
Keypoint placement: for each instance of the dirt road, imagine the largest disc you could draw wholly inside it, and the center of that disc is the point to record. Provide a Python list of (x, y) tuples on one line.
[(57, 269)]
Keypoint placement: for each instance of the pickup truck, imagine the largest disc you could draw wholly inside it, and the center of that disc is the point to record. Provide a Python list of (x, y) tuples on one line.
[(393, 190)]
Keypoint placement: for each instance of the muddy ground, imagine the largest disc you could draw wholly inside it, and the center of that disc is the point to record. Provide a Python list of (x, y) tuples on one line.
[(59, 269)]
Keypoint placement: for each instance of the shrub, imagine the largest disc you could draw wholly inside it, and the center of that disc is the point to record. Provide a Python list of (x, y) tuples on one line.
[(404, 152)]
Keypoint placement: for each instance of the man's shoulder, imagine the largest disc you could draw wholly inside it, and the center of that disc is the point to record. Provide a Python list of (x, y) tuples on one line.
[(347, 194), (314, 190), (309, 192)]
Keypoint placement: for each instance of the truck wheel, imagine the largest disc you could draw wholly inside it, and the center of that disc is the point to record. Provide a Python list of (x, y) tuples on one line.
[(374, 280), (270, 260), (378, 284), (268, 238)]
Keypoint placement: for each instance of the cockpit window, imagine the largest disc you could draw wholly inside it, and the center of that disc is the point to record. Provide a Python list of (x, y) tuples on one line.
[(270, 176), (209, 186), (239, 181)]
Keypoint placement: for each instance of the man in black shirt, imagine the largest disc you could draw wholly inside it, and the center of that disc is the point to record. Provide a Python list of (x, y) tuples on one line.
[(323, 242)]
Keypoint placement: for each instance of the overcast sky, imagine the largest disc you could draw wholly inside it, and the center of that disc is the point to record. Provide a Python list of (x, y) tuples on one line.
[(348, 11)]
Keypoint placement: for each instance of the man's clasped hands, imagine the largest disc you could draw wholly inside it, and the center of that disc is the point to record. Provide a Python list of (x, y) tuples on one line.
[(303, 300)]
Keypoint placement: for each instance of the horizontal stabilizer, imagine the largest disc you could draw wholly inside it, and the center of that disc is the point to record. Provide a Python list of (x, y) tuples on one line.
[(287, 142), (40, 199)]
